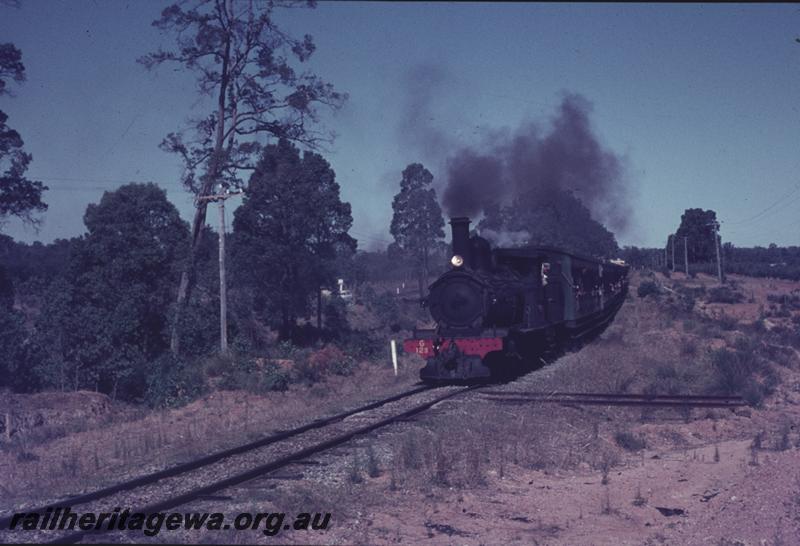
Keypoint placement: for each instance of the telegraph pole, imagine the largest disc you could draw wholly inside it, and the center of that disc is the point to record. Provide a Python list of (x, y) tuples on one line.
[(686, 255), (672, 238), (715, 226), (223, 287)]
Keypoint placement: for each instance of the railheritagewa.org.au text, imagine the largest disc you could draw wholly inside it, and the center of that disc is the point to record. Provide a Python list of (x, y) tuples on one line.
[(64, 519)]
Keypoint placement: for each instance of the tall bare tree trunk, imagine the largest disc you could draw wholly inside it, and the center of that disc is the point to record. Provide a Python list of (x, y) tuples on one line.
[(319, 308), (188, 274), (425, 272)]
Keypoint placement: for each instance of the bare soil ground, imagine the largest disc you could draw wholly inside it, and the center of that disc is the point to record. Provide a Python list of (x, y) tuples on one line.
[(64, 444), (473, 471)]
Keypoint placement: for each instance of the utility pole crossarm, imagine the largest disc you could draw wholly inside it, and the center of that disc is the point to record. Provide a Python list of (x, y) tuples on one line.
[(212, 198), (223, 289)]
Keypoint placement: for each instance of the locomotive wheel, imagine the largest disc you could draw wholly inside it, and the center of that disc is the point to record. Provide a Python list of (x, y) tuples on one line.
[(550, 339)]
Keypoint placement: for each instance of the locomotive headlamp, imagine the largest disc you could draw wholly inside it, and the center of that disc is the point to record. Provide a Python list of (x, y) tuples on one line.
[(457, 261)]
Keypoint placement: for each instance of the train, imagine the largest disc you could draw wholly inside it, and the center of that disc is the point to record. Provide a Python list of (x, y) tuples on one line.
[(499, 310)]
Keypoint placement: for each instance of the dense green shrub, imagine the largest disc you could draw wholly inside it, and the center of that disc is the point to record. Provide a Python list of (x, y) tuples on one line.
[(670, 378), (629, 441), (394, 313), (648, 288), (335, 315), (688, 347), (733, 370), (727, 322), (243, 372), (326, 357), (385, 306), (273, 377), (741, 372), (724, 294), (19, 356), (790, 300), (680, 303), (172, 382), (686, 302), (362, 345), (778, 312)]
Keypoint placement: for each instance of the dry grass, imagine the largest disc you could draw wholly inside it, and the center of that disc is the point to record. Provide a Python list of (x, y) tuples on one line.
[(37, 467)]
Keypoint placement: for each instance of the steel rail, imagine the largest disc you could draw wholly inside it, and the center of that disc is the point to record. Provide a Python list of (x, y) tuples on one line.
[(209, 459), (622, 402), (632, 396), (266, 468)]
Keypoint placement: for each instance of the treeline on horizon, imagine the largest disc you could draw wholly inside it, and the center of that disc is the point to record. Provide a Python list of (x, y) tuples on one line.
[(772, 261), (37, 261), (696, 241)]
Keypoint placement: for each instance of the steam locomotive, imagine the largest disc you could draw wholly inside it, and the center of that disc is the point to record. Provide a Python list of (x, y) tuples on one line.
[(498, 310)]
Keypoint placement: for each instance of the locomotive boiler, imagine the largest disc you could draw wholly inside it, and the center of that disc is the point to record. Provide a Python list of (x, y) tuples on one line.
[(498, 310)]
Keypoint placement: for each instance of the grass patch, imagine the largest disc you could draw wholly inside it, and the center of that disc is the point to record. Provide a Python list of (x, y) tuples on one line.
[(629, 441), (741, 371), (724, 294), (648, 288)]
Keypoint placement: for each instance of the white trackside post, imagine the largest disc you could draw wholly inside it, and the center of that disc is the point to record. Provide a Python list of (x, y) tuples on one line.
[(394, 356)]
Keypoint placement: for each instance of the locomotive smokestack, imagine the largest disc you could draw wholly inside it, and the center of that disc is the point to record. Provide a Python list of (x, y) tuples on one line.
[(460, 227)]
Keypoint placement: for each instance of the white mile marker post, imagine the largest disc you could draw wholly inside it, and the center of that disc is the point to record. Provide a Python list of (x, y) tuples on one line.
[(394, 356)]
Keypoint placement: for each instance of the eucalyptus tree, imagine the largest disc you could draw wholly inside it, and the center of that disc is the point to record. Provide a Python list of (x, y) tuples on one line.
[(19, 196), (700, 228), (417, 223), (245, 62), (290, 233), (105, 320)]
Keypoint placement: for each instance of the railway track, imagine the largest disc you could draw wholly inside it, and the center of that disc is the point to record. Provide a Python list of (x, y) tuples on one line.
[(610, 399), (199, 478)]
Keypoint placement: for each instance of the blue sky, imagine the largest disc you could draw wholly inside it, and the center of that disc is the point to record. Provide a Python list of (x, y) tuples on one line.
[(700, 100)]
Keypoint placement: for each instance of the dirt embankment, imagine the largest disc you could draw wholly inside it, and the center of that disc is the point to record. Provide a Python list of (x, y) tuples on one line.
[(62, 444)]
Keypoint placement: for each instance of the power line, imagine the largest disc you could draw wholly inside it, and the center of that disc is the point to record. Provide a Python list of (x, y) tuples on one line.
[(770, 232), (113, 184), (370, 237), (122, 136), (85, 179), (780, 201), (80, 188)]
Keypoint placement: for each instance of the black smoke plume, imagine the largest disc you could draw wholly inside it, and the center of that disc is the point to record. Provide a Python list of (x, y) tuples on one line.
[(532, 168)]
